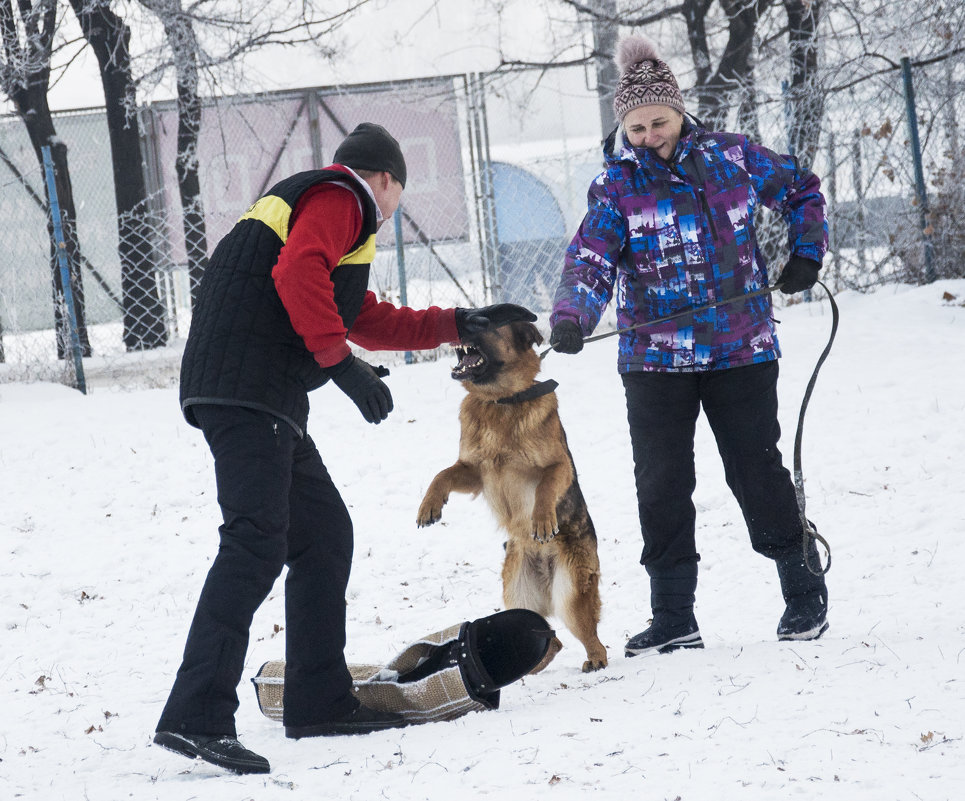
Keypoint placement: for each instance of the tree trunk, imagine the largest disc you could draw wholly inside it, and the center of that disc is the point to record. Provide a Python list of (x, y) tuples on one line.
[(144, 315), (734, 78), (695, 13), (807, 101), (184, 47), (605, 28), (189, 186)]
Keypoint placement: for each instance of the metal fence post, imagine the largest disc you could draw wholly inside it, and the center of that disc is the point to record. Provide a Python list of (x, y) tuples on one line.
[(400, 260), (61, 248), (857, 179), (488, 245), (833, 208), (912, 114)]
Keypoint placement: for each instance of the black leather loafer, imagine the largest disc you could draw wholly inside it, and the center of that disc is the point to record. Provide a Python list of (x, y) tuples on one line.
[(218, 749)]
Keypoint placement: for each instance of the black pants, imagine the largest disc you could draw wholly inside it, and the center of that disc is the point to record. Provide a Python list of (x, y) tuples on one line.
[(741, 406), (280, 508)]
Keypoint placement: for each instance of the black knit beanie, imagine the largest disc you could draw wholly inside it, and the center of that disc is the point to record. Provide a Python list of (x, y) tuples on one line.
[(371, 147)]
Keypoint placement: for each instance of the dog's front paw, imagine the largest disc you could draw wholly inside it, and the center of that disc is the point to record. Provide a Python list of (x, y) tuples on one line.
[(430, 511), (544, 526)]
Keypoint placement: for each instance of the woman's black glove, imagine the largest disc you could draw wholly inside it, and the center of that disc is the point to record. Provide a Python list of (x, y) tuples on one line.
[(475, 321), (799, 273), (361, 382), (566, 337)]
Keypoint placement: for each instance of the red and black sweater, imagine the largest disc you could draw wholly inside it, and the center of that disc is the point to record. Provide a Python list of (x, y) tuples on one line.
[(284, 290)]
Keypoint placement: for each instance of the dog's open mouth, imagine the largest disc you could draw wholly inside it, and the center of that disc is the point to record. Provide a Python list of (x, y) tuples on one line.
[(472, 362)]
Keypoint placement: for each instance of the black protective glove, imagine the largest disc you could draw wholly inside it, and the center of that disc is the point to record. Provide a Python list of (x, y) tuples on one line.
[(799, 273), (362, 383), (475, 321), (566, 337)]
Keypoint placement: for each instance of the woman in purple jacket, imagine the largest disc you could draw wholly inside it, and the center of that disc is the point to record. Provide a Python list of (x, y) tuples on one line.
[(670, 225)]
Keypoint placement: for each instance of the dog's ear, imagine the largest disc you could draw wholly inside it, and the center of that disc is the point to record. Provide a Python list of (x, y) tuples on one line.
[(525, 335)]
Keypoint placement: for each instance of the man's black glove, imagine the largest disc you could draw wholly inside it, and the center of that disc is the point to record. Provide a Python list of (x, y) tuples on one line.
[(566, 337), (361, 382), (799, 273), (475, 321)]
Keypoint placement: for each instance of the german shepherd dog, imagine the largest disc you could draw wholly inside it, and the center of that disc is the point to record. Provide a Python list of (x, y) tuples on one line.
[(513, 450)]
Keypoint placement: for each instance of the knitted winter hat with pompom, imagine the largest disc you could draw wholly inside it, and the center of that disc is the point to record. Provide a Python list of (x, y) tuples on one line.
[(645, 80)]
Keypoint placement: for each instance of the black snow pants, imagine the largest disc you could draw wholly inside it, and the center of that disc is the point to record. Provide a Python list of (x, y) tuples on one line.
[(741, 407), (280, 508)]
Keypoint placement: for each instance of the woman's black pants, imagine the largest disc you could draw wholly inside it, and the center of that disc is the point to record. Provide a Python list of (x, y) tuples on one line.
[(741, 407)]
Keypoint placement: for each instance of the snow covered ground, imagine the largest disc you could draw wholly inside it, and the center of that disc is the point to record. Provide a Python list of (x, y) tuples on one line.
[(109, 524)]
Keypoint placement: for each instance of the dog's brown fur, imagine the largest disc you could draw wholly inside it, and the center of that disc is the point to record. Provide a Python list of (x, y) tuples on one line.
[(517, 456)]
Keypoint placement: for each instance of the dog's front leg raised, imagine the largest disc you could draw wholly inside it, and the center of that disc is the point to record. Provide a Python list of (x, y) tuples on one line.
[(556, 478), (460, 477)]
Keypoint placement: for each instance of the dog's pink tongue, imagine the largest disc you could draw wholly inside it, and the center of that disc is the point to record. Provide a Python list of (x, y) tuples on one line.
[(467, 363)]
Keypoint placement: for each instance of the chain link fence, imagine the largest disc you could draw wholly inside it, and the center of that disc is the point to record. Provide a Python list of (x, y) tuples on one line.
[(499, 166), (887, 224)]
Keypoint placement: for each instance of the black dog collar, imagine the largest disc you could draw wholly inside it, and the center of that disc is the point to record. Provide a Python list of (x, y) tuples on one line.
[(535, 391)]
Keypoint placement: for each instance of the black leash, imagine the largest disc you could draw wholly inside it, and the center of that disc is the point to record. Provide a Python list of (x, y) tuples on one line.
[(682, 313), (810, 533)]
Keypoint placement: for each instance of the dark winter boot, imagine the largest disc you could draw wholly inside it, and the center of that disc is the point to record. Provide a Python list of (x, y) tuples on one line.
[(361, 720), (674, 625), (221, 750), (806, 596)]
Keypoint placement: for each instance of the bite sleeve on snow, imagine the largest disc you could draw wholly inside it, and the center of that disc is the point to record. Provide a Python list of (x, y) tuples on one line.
[(441, 676)]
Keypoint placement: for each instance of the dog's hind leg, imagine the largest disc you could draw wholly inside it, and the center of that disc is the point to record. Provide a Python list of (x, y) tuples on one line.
[(527, 586), (576, 596)]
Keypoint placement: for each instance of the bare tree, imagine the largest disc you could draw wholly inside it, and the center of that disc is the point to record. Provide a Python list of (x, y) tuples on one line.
[(27, 30), (109, 38), (719, 89), (185, 50), (804, 91), (605, 30), (734, 77), (209, 46)]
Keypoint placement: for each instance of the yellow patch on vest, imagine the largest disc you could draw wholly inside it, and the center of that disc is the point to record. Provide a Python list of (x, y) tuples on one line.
[(363, 254), (273, 212)]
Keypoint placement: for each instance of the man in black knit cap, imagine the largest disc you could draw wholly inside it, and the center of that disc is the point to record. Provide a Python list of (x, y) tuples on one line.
[(283, 293)]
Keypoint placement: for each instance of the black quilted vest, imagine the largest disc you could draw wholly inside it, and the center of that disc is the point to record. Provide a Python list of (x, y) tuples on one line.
[(242, 349)]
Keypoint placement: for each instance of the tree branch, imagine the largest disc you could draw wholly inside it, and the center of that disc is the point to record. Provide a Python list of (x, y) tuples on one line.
[(623, 19)]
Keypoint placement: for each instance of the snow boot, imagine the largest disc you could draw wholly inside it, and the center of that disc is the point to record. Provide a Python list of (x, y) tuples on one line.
[(673, 625), (806, 597)]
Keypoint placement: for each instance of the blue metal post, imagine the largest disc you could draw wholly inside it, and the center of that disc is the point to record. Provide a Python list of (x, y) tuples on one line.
[(912, 115), (400, 260), (61, 247)]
